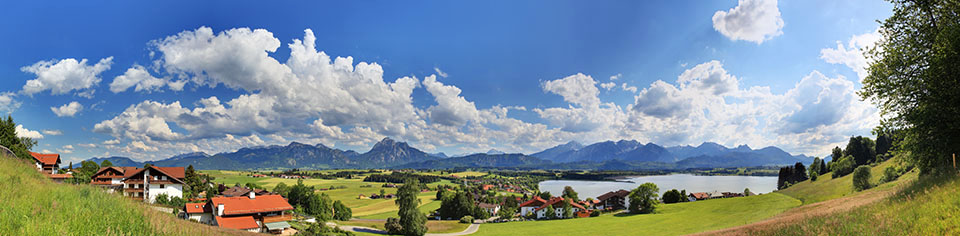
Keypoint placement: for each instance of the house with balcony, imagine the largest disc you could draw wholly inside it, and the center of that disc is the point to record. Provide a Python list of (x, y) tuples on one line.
[(111, 178), (147, 183), (49, 165)]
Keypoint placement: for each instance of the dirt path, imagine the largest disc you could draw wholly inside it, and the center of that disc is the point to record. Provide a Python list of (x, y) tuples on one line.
[(819, 209)]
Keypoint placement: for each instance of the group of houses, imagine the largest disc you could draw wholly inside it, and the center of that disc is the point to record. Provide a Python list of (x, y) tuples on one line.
[(712, 195), (256, 211), (539, 206), (239, 208)]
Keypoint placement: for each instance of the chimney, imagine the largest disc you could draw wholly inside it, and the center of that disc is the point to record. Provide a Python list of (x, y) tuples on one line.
[(219, 209), (252, 195)]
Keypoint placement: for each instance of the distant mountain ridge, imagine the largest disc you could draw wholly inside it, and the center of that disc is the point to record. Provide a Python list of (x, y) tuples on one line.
[(388, 153)]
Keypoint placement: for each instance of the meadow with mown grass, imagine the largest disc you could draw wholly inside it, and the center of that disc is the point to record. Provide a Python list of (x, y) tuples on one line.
[(669, 219), (32, 204)]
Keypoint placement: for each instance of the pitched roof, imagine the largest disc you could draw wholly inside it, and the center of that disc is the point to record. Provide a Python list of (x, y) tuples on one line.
[(242, 222), (46, 158), (557, 202), (192, 208), (103, 169), (176, 173), (618, 193), (536, 201), (246, 205), (235, 191), (700, 195)]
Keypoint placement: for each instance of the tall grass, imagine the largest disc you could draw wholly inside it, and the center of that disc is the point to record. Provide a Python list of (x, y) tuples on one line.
[(928, 205), (31, 204)]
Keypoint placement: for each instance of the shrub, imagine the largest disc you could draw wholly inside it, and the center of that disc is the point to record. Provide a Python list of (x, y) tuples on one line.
[(393, 226), (466, 220), (861, 178), (842, 167), (890, 174), (594, 213)]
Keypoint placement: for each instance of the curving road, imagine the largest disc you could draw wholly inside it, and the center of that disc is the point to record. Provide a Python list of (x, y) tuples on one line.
[(473, 228)]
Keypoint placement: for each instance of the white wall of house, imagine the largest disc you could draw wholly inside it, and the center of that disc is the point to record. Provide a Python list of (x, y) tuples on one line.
[(116, 181), (205, 218), (526, 210), (172, 190)]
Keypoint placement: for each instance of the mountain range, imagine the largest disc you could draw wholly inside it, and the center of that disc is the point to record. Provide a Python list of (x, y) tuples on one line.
[(388, 153)]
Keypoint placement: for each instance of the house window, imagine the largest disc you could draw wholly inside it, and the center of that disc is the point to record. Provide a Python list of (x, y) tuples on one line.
[(163, 178), (161, 185)]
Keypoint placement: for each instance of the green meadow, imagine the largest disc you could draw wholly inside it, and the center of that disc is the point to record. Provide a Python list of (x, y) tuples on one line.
[(670, 219), (31, 204)]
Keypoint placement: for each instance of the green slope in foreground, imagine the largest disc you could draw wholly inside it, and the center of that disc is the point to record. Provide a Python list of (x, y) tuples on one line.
[(31, 204), (670, 219)]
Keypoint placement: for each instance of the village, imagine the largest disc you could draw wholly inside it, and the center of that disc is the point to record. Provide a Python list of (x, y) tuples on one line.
[(253, 208)]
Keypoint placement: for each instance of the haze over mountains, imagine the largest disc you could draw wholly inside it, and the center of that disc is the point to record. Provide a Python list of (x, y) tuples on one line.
[(609, 155)]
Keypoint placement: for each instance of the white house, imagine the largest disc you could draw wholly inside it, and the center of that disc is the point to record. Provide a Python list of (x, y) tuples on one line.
[(148, 183), (199, 212), (541, 209), (531, 205), (493, 209)]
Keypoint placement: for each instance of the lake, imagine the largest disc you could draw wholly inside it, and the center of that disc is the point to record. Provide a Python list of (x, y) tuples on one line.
[(692, 183)]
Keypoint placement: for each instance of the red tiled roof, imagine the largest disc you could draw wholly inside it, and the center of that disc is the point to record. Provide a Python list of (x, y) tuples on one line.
[(619, 193), (245, 205), (536, 201), (61, 176), (46, 159), (242, 222), (130, 171), (192, 208), (103, 169), (700, 195), (176, 173)]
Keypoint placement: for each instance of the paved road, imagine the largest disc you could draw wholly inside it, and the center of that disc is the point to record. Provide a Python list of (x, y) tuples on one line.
[(473, 228), (470, 230)]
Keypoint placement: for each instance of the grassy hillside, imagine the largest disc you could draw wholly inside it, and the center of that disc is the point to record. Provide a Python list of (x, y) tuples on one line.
[(31, 204), (671, 219), (826, 187)]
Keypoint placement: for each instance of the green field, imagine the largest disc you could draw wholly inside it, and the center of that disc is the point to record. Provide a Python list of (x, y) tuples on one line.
[(362, 208), (920, 206), (826, 187), (670, 219), (31, 204)]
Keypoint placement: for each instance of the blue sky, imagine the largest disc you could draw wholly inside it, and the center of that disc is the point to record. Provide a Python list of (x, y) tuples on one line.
[(180, 76)]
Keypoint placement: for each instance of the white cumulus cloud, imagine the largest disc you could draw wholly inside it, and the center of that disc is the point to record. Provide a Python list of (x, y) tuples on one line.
[(751, 20), (137, 77), (26, 133), (65, 76), (852, 55), (67, 110)]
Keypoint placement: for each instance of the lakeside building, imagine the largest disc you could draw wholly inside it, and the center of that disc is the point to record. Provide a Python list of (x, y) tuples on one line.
[(615, 200)]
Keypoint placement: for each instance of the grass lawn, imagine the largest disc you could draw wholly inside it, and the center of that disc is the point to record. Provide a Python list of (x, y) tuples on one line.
[(670, 219), (433, 226), (826, 187), (31, 204)]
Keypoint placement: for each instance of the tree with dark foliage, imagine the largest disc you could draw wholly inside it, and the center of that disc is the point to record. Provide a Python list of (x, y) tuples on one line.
[(913, 78)]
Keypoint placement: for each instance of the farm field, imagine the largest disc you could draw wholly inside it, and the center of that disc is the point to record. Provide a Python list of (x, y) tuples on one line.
[(362, 208), (671, 219)]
